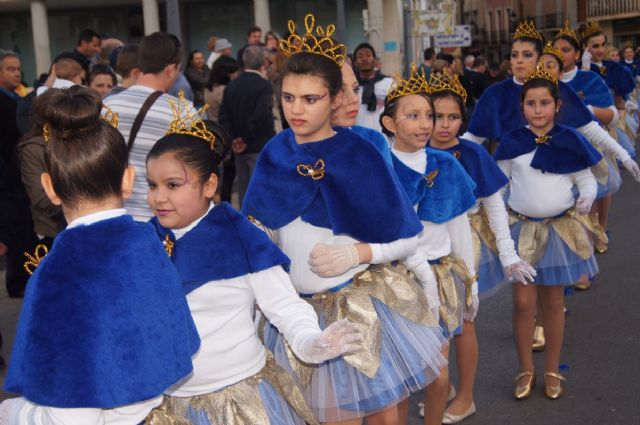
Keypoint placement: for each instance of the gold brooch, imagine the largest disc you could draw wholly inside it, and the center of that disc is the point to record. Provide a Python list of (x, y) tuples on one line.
[(542, 140), (168, 245), (431, 177), (603, 71), (316, 172), (33, 261), (457, 154)]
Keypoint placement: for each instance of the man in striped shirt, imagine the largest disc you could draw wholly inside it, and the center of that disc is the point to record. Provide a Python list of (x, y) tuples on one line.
[(159, 62)]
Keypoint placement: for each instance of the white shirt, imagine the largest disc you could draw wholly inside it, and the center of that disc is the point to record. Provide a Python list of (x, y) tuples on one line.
[(24, 412), (542, 195), (371, 119), (58, 83), (222, 310)]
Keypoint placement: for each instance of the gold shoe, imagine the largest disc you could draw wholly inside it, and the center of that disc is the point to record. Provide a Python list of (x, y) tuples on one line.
[(601, 247), (523, 391), (539, 343), (553, 393), (583, 286)]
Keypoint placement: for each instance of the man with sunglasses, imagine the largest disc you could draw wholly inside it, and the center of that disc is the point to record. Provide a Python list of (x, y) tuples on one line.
[(145, 110)]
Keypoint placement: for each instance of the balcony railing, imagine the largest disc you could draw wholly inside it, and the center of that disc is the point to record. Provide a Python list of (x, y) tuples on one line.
[(612, 8)]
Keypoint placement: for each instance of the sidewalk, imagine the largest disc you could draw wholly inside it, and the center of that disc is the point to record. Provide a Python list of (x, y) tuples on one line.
[(9, 311)]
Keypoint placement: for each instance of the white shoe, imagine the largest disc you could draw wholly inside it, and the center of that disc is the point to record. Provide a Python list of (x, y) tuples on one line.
[(452, 395), (454, 419)]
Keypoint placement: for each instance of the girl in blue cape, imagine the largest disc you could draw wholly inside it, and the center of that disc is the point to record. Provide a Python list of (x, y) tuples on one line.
[(629, 61), (105, 328), (441, 193), (227, 265), (347, 113), (331, 202), (494, 254), (544, 161)]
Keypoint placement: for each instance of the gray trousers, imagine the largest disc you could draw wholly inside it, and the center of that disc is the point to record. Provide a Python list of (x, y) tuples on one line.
[(245, 163)]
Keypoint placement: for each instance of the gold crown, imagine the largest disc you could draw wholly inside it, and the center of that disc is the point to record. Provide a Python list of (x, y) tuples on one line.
[(446, 82), (627, 44), (527, 29), (550, 50), (109, 116), (416, 83), (322, 44), (589, 29), (190, 124), (541, 73), (567, 32)]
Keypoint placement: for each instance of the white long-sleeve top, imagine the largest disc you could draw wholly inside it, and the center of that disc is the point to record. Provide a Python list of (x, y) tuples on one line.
[(222, 310), (568, 76), (24, 412), (542, 195), (438, 240), (499, 223), (297, 239)]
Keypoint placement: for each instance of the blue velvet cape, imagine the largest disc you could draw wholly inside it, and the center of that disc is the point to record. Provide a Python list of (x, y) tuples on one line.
[(617, 77), (378, 139), (442, 192), (104, 323), (482, 168), (499, 110), (634, 66), (592, 89), (358, 195), (223, 245), (567, 151)]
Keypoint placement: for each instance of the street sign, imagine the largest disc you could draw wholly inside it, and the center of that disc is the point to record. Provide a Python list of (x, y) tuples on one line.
[(461, 37)]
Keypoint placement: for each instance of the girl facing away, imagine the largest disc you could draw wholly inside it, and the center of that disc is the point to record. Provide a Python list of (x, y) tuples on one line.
[(105, 328), (544, 161), (227, 265), (494, 254), (331, 202)]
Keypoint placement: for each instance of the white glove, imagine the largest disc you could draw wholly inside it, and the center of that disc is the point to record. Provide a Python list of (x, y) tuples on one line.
[(586, 60), (521, 272), (333, 260), (630, 106), (5, 412), (338, 338), (583, 204), (632, 167), (430, 289), (470, 313)]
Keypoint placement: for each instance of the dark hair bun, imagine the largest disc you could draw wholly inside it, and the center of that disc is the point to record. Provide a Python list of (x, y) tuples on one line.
[(73, 111), (222, 139)]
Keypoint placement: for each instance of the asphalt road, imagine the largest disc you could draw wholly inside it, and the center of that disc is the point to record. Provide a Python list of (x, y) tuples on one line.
[(601, 352)]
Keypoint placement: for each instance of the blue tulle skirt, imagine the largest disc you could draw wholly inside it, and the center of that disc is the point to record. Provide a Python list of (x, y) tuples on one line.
[(410, 359), (491, 277), (558, 264), (613, 179), (626, 142)]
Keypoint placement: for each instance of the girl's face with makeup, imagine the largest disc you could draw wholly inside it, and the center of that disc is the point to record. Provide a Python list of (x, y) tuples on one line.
[(523, 58), (177, 195)]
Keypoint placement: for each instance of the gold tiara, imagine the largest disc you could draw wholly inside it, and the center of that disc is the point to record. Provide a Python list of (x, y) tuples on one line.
[(550, 50), (322, 44), (590, 28), (540, 73), (416, 83), (190, 124), (627, 44), (446, 82), (567, 32), (109, 116), (527, 29)]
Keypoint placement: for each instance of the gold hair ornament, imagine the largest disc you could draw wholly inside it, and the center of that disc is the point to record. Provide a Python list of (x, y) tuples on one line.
[(190, 124), (319, 43), (567, 32), (417, 83), (446, 82), (627, 44), (33, 261), (527, 29), (110, 116), (541, 73), (550, 50), (590, 28), (46, 132)]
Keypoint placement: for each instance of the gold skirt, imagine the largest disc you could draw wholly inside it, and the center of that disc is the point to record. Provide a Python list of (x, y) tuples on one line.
[(237, 404), (454, 289)]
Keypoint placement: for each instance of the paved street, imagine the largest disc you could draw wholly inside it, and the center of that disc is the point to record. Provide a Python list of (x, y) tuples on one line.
[(602, 343)]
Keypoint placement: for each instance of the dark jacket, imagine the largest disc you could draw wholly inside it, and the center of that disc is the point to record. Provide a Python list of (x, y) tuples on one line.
[(246, 110)]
